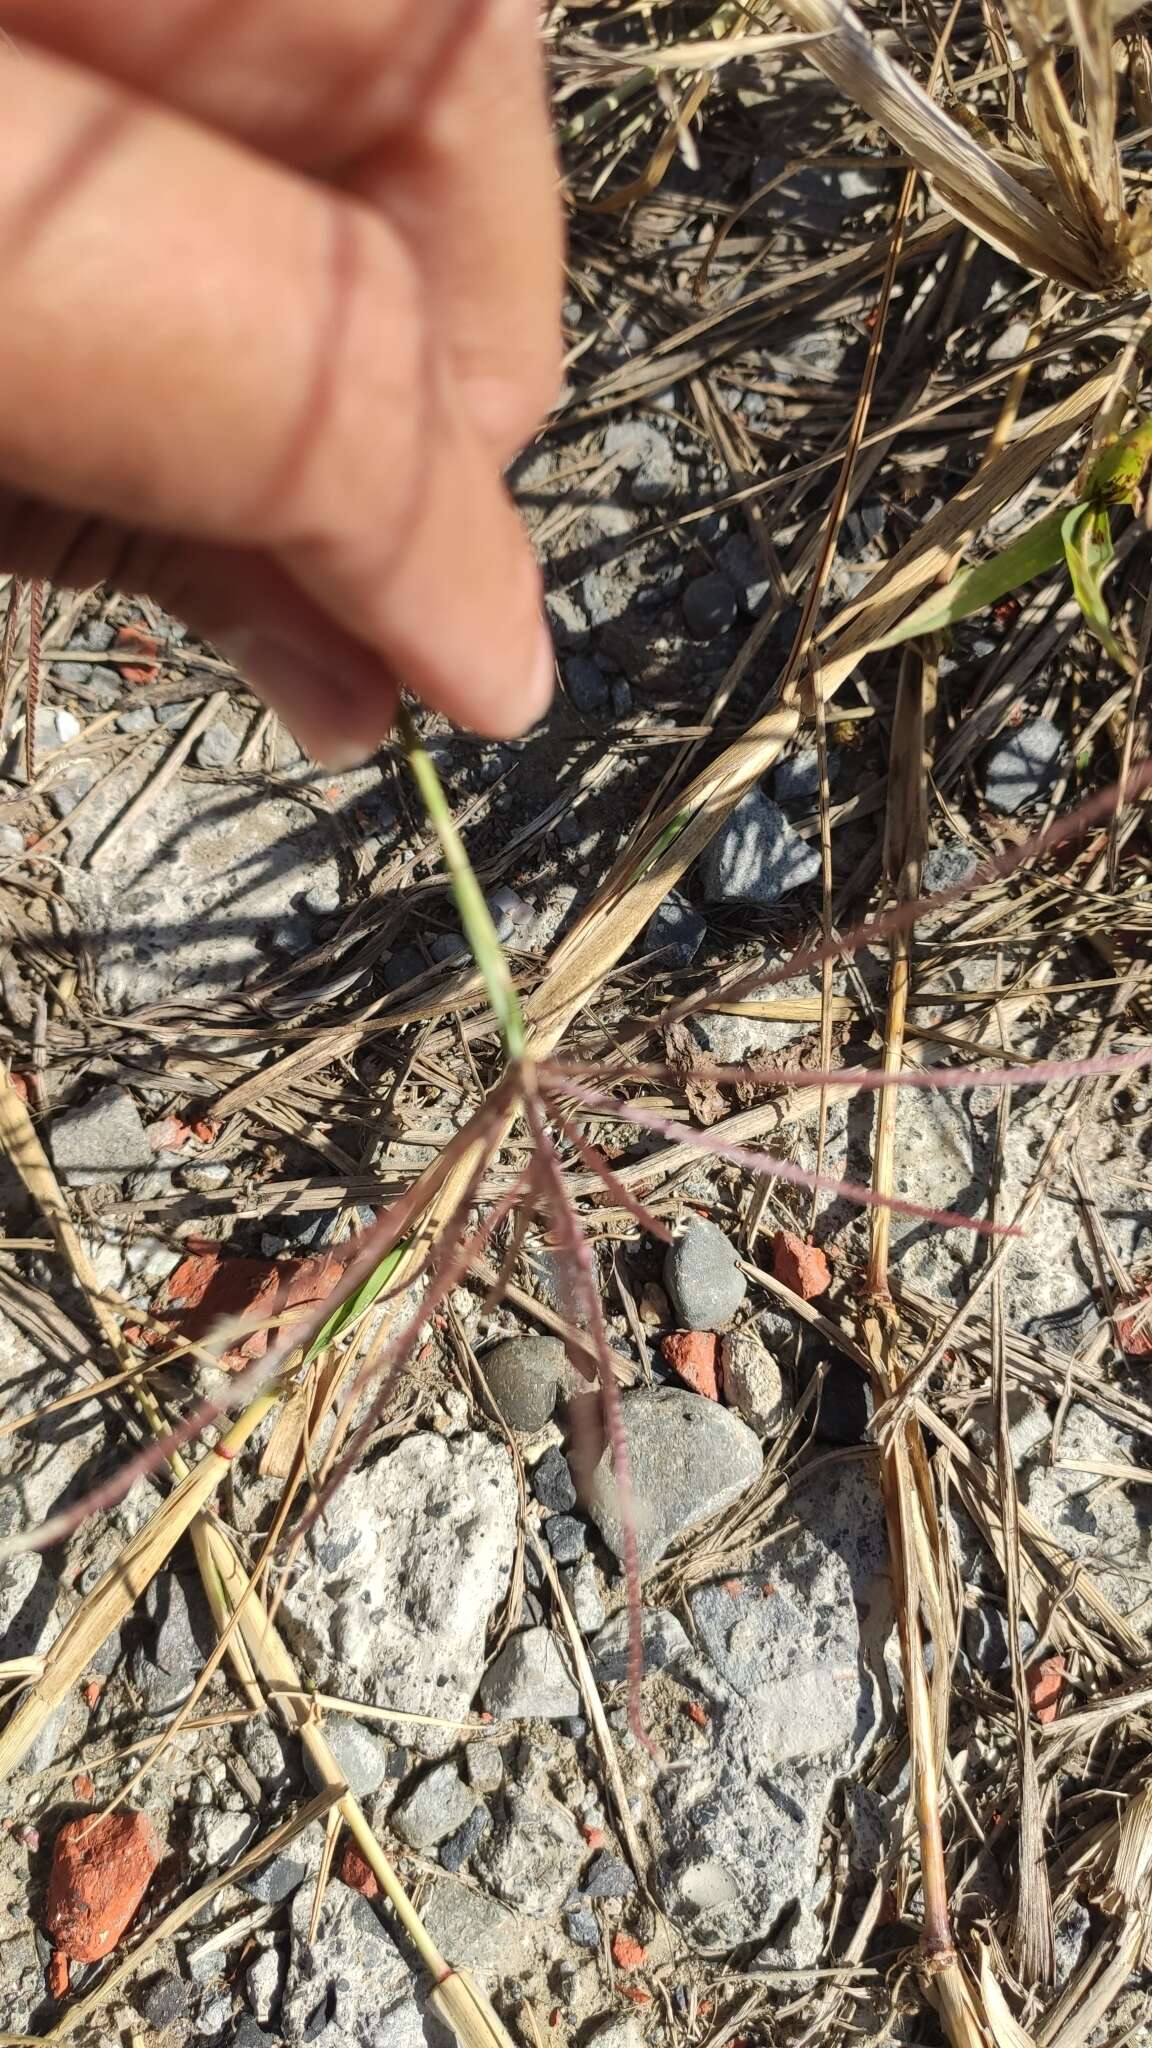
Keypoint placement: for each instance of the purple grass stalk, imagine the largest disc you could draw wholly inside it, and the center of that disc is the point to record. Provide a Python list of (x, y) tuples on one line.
[(1033, 1075), (766, 1165), (596, 1163), (374, 1244), (451, 1268), (586, 1294), (902, 916)]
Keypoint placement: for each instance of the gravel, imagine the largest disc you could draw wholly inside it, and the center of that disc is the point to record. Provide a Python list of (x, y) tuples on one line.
[(798, 776), (525, 1376), (709, 605), (216, 1839), (218, 747), (484, 1766), (646, 455), (1024, 766), (101, 1140), (365, 1758), (587, 685), (664, 1645), (552, 1482), (530, 1679), (608, 1877), (436, 1807), (676, 931), (756, 857), (531, 1857), (457, 1850), (581, 1586), (178, 1642), (582, 1927), (566, 1538), (752, 1382), (350, 1987), (702, 1276), (948, 866), (689, 1458)]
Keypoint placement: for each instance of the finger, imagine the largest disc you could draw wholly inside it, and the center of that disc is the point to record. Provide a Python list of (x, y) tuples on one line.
[(253, 367), (435, 112)]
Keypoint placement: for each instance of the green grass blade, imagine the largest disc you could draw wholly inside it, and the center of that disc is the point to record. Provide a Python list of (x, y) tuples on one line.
[(973, 590), (343, 1317), (1088, 548)]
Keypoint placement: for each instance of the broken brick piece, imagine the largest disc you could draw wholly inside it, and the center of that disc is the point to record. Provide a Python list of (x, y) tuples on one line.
[(1045, 1683), (692, 1356), (1134, 1327), (83, 1787), (595, 1837), (357, 1873), (101, 1867), (627, 1953), (799, 1266), (206, 1289), (139, 641), (697, 1714), (57, 1975)]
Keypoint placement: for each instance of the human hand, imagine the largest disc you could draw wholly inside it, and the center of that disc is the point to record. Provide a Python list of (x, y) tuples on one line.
[(281, 296)]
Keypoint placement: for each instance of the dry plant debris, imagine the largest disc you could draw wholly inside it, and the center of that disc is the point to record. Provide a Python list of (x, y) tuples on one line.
[(857, 297)]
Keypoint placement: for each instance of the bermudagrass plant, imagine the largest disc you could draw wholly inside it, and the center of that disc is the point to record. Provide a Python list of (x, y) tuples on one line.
[(401, 1248)]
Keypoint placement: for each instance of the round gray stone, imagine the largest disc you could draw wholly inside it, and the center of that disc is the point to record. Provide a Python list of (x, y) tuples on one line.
[(1023, 767), (703, 1277), (525, 1376), (709, 605), (689, 1458)]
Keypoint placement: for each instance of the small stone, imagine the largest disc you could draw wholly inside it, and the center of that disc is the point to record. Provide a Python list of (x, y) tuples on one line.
[(532, 1857), (438, 1806), (845, 1403), (587, 685), (1072, 1934), (276, 1880), (484, 1766), (799, 1266), (653, 1305), (364, 1758), (552, 1482), (405, 965), (167, 1663), (566, 1538), (621, 697), (675, 931), (582, 1927), (752, 1382), (204, 1176), (663, 1643), (102, 1140), (164, 2001), (709, 606), (325, 898), (11, 842), (530, 1680), (216, 1838), (743, 565), (568, 620), (692, 1357), (524, 1376), (581, 1584), (455, 1852), (646, 455), (101, 1868), (986, 1637), (619, 2032), (1045, 1682), (799, 775), (448, 946), (509, 912), (263, 1983), (948, 866), (1024, 766), (627, 1952), (703, 1277), (756, 857), (689, 1458), (218, 747), (214, 2015), (247, 2034), (140, 718), (608, 1877)]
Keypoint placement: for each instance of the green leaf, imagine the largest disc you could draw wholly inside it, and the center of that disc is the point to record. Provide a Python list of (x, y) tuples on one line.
[(973, 590), (1116, 473), (343, 1317), (1087, 537)]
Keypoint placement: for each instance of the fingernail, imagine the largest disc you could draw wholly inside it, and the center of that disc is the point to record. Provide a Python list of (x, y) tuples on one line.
[(309, 696)]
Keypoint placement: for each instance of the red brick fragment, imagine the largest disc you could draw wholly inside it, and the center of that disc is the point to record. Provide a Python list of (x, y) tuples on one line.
[(92, 1692), (1045, 1683), (206, 1289), (692, 1356), (627, 1952), (83, 1787), (357, 1873), (800, 1266), (57, 1975), (101, 1867), (595, 1837), (1134, 1327), (635, 1993), (138, 640), (733, 1587), (696, 1713)]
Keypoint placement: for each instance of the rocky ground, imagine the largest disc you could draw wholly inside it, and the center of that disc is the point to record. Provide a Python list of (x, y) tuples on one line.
[(237, 1007)]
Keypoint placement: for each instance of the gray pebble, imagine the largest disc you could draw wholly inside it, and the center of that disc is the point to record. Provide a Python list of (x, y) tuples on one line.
[(689, 1459), (276, 1880), (646, 456), (986, 1637), (404, 966), (756, 857), (568, 620), (458, 1848), (436, 1808), (364, 1758), (164, 2001), (621, 698), (608, 1877), (484, 1766), (676, 931), (214, 2014), (530, 1679), (552, 1482), (218, 747), (709, 605), (11, 842), (524, 1376), (799, 775), (1024, 766), (582, 1927), (324, 899), (566, 1538), (98, 634), (141, 718), (587, 685), (743, 565), (247, 2034), (703, 1277), (581, 1584), (948, 866), (448, 946)]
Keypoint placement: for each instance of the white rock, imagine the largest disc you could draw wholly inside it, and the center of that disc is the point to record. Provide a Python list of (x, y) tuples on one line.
[(752, 1382)]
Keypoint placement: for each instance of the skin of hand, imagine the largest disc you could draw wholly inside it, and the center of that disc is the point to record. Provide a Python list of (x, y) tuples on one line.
[(281, 298)]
